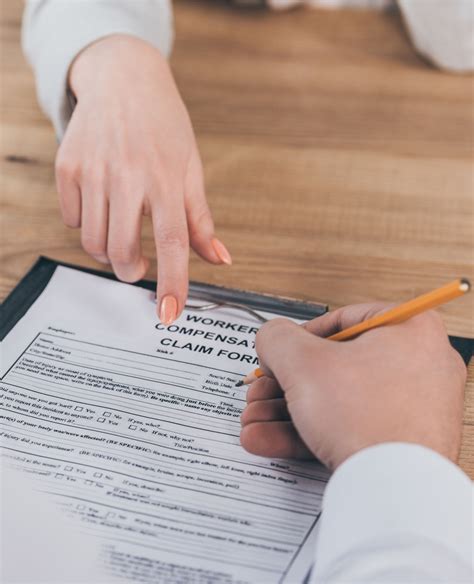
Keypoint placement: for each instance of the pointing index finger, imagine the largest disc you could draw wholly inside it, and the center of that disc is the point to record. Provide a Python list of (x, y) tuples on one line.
[(172, 248)]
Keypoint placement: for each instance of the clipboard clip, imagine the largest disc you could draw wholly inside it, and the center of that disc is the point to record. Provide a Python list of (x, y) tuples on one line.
[(214, 305)]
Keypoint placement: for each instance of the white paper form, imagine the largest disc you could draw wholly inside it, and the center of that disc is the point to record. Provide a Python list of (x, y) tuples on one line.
[(134, 429)]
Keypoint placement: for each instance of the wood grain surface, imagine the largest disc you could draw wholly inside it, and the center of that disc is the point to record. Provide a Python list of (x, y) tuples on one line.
[(337, 161)]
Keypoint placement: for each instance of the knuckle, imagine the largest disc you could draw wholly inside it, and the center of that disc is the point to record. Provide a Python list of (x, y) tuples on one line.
[(123, 178), (158, 174), (374, 308), (92, 244), (459, 367), (71, 220), (432, 318), (122, 254), (94, 176), (250, 438), (431, 327), (275, 324), (173, 238), (70, 212), (201, 221), (246, 415), (65, 168), (271, 327)]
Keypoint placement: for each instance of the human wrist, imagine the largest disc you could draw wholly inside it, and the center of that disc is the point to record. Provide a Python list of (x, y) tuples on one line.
[(113, 59)]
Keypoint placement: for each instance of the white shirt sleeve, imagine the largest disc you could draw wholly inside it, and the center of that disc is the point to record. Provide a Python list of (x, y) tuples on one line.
[(442, 31), (55, 31), (396, 513)]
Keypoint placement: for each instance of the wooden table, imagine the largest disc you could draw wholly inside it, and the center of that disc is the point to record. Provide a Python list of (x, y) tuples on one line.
[(337, 161)]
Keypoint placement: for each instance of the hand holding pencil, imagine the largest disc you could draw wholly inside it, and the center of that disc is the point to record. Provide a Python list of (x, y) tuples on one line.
[(329, 400), (394, 315)]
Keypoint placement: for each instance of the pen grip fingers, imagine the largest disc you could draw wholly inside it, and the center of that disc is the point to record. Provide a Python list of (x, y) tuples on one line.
[(274, 439), (342, 318), (264, 388), (269, 410)]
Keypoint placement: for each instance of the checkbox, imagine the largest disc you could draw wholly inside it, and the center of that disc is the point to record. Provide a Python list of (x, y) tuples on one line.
[(132, 427), (68, 468), (106, 414), (89, 483), (59, 475), (98, 475), (78, 409), (101, 420)]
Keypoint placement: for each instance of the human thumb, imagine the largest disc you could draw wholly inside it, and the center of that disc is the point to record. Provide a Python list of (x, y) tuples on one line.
[(288, 352)]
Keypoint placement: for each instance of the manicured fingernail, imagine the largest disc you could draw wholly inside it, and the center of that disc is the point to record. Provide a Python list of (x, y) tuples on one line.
[(221, 251), (168, 309)]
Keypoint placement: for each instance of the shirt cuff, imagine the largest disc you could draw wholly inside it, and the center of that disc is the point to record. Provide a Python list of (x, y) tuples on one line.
[(395, 489), (441, 31), (55, 32)]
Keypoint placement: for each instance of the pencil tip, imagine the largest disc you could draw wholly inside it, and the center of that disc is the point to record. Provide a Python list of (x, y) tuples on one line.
[(239, 383)]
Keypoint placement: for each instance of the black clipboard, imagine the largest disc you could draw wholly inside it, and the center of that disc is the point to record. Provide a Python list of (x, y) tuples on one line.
[(34, 282)]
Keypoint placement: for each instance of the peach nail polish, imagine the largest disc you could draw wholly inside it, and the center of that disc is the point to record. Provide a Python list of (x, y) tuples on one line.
[(221, 251), (168, 309)]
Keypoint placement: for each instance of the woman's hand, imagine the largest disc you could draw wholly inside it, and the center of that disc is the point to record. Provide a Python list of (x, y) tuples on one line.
[(130, 150), (398, 383)]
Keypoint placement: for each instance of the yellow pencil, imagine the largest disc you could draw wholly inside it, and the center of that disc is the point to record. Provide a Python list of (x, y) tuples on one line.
[(393, 316)]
